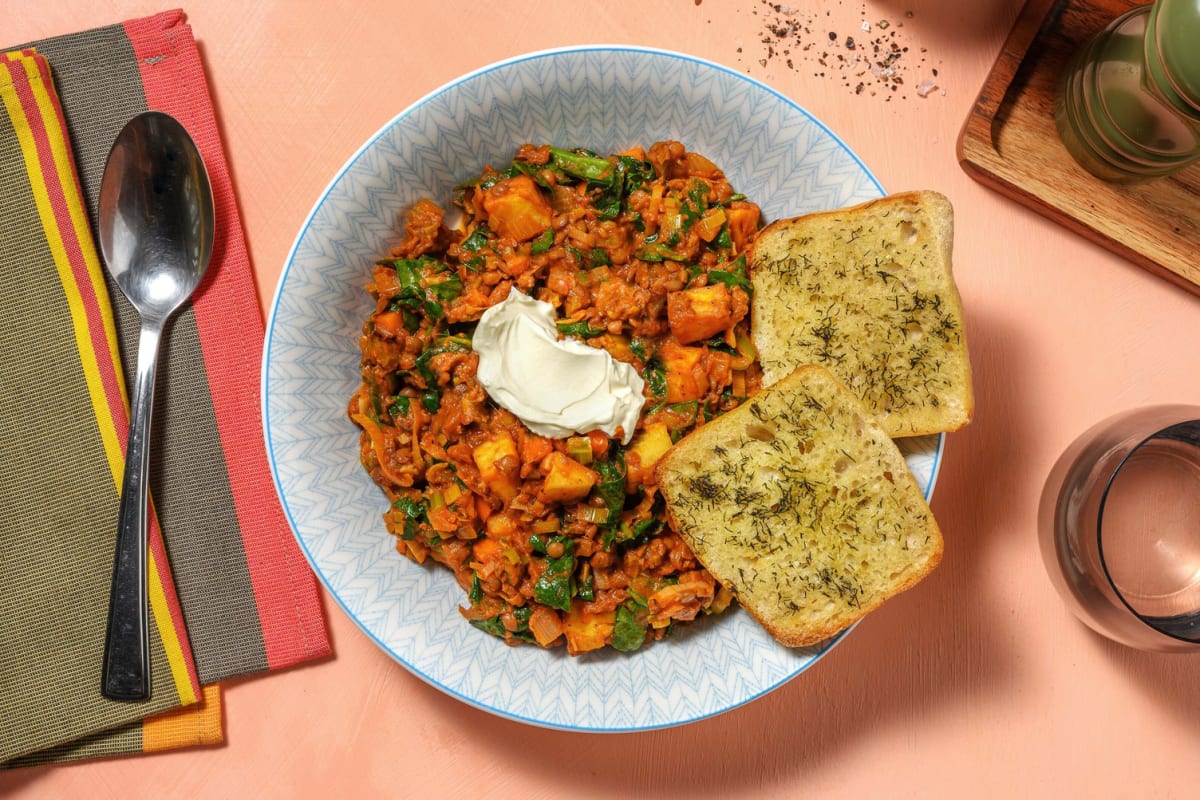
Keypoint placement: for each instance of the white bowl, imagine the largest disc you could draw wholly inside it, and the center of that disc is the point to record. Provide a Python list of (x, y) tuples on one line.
[(606, 99)]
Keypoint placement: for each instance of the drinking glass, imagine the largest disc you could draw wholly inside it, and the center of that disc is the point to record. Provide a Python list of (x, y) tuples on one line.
[(1119, 526)]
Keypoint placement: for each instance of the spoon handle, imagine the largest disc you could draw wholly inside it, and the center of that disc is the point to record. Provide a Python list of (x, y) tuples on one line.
[(126, 674)]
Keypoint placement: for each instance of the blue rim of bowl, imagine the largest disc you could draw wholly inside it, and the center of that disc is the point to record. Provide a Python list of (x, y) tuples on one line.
[(265, 370)]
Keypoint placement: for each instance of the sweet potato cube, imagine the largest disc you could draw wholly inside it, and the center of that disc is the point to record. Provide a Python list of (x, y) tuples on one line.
[(699, 313), (483, 550), (686, 376), (743, 222), (501, 526), (534, 448), (566, 479), (647, 447), (498, 464), (587, 630), (443, 520), (517, 209)]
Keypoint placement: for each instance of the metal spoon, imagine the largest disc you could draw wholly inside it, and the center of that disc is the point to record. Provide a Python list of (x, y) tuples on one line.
[(156, 234)]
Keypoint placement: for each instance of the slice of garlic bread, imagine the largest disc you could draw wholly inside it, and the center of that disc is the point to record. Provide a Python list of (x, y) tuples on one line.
[(802, 505), (868, 292)]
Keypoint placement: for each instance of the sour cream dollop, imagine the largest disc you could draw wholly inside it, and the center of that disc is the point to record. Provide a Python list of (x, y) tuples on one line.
[(556, 387)]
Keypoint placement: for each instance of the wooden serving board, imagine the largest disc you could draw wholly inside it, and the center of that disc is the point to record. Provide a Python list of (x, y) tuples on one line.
[(1010, 143)]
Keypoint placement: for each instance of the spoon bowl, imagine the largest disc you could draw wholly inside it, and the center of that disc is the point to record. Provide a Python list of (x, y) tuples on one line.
[(156, 235), (156, 214)]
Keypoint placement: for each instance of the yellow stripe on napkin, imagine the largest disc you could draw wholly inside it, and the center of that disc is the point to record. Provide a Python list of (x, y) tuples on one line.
[(41, 195), (55, 237)]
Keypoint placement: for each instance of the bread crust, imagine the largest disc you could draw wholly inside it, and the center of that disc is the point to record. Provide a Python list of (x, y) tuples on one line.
[(801, 504), (868, 292)]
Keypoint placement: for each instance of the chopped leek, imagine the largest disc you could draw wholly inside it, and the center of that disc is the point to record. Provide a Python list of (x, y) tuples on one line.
[(580, 449)]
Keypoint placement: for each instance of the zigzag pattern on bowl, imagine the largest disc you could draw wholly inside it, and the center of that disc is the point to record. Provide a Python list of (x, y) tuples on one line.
[(606, 99)]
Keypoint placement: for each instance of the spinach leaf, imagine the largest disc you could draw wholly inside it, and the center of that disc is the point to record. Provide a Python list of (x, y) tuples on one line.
[(414, 513), (400, 407), (643, 531), (493, 626), (734, 275), (412, 296), (582, 259), (611, 179), (585, 165), (631, 174), (553, 586), (718, 342), (659, 251), (637, 172), (431, 398), (724, 240), (447, 344), (656, 378), (586, 590), (608, 203), (376, 402), (543, 242), (580, 329), (685, 410), (625, 536), (692, 211), (637, 346), (478, 238), (628, 632), (525, 168), (522, 614), (410, 270), (448, 289), (611, 487)]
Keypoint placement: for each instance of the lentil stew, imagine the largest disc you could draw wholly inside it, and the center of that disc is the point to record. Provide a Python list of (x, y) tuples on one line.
[(559, 541)]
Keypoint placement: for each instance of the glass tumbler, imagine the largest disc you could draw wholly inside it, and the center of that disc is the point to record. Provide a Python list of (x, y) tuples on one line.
[(1119, 527)]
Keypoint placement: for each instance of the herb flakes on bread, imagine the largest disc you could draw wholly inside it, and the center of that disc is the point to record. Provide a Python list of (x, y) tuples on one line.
[(801, 504), (868, 292)]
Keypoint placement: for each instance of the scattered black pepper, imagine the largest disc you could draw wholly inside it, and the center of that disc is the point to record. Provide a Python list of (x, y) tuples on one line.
[(879, 57)]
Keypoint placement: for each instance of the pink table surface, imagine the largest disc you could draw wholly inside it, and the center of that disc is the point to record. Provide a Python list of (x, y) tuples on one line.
[(978, 683)]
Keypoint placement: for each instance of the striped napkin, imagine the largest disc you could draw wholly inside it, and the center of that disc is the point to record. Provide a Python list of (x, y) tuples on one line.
[(231, 592)]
